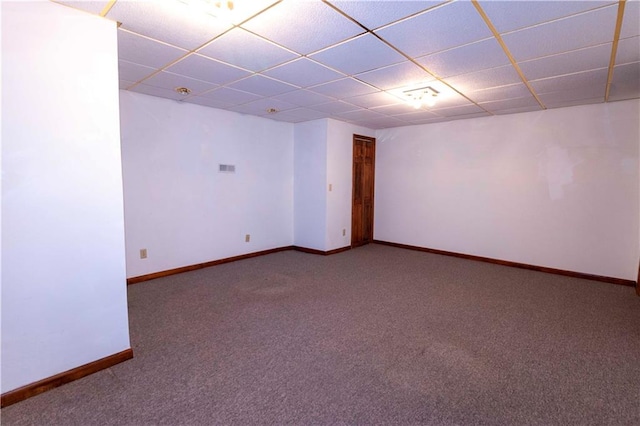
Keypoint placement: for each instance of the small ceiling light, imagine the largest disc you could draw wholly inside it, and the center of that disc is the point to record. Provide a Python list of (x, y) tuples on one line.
[(183, 90), (271, 110), (421, 96)]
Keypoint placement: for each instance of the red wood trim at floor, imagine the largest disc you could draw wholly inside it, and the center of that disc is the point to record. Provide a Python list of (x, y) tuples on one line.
[(638, 281), (612, 280), (154, 275), (49, 383), (320, 252)]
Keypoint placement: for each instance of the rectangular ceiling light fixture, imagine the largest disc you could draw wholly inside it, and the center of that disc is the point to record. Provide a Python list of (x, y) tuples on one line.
[(421, 96)]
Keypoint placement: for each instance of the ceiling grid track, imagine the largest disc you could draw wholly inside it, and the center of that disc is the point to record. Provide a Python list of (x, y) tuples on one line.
[(498, 37), (614, 47), (409, 58), (107, 8), (190, 52)]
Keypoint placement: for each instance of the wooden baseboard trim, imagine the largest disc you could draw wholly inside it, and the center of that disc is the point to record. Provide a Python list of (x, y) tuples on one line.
[(153, 276), (611, 280), (320, 252), (638, 281), (141, 278), (49, 383)]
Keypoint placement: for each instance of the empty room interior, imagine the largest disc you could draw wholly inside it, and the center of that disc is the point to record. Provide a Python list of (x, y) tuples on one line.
[(320, 212)]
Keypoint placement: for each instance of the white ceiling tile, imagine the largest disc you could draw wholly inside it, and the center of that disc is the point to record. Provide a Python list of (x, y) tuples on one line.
[(453, 24), (244, 9), (359, 55), (170, 81), (303, 26), (285, 118), (467, 116), (511, 91), (375, 13), (411, 114), (140, 50), (373, 100), (306, 113), (157, 91), (335, 107), (631, 19), (561, 97), (263, 86), (343, 88), (202, 68), (399, 75), (94, 7), (304, 73), (494, 77), (583, 80), (518, 110), (528, 101), (626, 82), (261, 106), (587, 29), (566, 63), (429, 121), (568, 103), (304, 98), (628, 50), (231, 96), (381, 123), (245, 50), (512, 15), (170, 21), (201, 100), (360, 114), (396, 109), (133, 72), (459, 110), (465, 59)]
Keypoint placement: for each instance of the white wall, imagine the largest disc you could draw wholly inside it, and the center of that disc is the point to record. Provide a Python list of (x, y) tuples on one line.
[(556, 188), (340, 177), (179, 206), (310, 177), (63, 263)]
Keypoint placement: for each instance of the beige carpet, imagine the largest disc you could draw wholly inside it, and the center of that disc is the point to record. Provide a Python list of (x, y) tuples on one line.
[(375, 335)]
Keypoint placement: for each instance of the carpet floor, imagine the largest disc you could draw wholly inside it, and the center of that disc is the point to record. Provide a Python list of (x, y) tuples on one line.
[(374, 335)]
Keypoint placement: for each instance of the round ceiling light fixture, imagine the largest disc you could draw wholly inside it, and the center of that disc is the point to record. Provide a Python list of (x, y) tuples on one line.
[(271, 110), (183, 90)]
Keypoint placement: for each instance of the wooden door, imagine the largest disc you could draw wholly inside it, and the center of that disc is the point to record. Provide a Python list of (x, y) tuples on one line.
[(364, 154)]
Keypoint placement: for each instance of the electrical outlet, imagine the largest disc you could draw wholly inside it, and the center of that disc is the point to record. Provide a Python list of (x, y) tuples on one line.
[(344, 232), (143, 253), (247, 238)]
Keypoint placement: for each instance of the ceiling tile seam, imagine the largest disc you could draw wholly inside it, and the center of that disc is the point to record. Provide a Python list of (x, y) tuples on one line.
[(505, 99), (493, 29), (227, 86), (409, 58), (562, 18), (564, 52), (189, 52), (567, 74), (406, 18), (614, 48), (107, 8)]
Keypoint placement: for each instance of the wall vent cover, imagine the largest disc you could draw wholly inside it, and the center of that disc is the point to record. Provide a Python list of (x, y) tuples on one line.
[(227, 168)]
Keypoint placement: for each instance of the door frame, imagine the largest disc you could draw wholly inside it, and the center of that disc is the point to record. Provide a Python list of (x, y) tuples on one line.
[(353, 181)]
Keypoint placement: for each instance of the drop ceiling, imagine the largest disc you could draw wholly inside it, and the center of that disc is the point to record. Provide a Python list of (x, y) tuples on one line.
[(352, 60)]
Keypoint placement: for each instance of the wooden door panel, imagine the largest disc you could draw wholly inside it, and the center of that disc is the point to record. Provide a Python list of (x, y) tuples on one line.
[(363, 190)]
